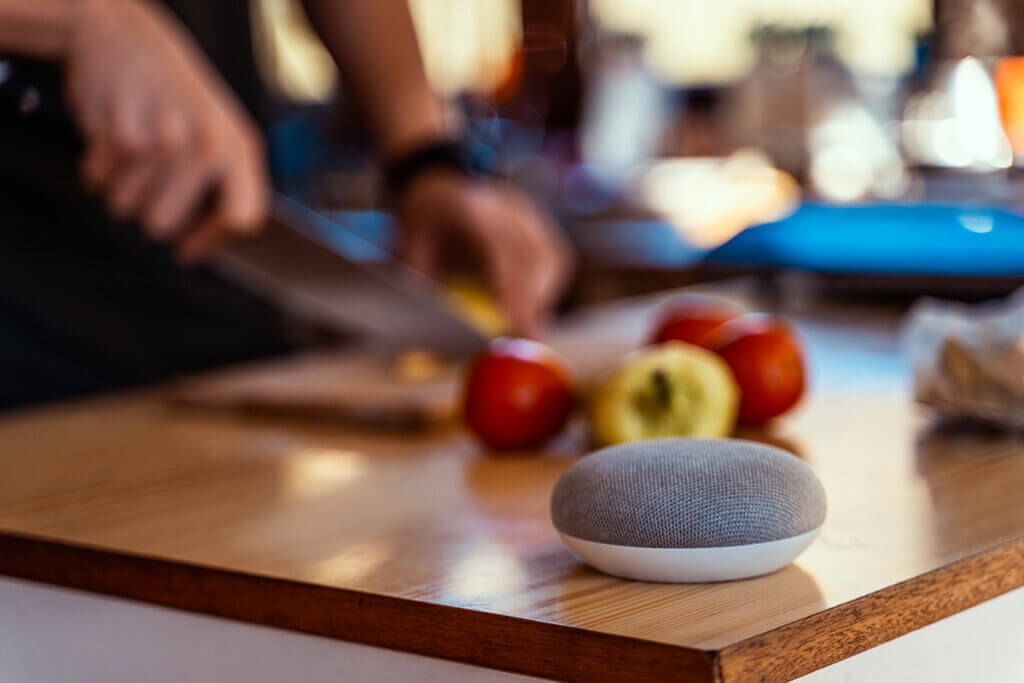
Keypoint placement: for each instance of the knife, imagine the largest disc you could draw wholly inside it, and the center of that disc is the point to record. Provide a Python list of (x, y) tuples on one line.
[(304, 262), (314, 267)]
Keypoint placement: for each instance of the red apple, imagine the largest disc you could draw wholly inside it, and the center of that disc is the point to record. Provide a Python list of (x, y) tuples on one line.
[(518, 394), (766, 359), (691, 318)]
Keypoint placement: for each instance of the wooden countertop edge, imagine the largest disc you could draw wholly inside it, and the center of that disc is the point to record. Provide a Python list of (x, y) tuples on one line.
[(515, 644), (835, 634), (486, 639)]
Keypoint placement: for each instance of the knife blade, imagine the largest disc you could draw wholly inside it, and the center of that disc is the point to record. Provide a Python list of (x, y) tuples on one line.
[(292, 263)]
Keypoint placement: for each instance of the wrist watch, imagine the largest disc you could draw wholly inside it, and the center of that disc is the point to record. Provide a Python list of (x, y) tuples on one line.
[(472, 161)]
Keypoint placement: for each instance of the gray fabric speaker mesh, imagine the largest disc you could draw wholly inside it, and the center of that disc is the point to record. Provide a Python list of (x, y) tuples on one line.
[(688, 493)]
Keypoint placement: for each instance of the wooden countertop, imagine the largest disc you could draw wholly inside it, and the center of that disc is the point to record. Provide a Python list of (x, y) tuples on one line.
[(425, 544)]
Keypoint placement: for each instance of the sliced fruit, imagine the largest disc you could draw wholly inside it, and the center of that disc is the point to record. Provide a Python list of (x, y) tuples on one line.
[(476, 304), (415, 366), (674, 389)]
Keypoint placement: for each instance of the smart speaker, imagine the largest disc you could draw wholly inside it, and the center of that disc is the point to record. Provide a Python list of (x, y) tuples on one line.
[(688, 510)]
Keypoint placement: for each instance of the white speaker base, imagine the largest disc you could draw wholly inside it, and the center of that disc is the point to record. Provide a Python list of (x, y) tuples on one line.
[(690, 565)]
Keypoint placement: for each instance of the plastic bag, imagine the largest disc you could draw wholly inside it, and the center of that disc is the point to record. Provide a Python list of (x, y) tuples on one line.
[(968, 360)]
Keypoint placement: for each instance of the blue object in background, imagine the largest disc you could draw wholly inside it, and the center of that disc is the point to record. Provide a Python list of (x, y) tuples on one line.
[(922, 239), (366, 236)]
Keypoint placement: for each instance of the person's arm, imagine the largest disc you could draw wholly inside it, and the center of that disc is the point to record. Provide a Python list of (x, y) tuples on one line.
[(37, 29), (375, 46), (165, 142)]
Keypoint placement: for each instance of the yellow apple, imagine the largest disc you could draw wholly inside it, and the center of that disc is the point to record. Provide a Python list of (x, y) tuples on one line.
[(673, 389)]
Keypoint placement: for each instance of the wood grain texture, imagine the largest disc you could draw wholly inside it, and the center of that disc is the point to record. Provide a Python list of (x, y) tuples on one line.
[(834, 634), (466, 635), (433, 533)]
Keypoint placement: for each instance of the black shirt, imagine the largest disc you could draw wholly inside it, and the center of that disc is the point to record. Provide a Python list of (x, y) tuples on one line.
[(88, 303)]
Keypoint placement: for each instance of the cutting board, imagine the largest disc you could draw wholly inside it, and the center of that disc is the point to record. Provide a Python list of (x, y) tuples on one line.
[(360, 384)]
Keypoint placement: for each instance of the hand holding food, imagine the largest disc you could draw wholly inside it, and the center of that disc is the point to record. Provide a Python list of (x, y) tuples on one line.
[(526, 256)]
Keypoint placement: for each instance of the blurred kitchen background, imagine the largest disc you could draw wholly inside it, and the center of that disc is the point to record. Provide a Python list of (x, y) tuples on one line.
[(873, 146)]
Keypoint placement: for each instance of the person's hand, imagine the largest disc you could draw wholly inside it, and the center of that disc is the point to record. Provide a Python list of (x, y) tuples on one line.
[(165, 141), (527, 257)]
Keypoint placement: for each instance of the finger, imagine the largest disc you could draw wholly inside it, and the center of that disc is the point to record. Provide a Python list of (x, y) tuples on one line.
[(130, 187), (182, 188), (518, 299), (551, 256), (88, 106), (172, 132), (542, 270), (129, 131), (420, 248), (508, 256), (119, 137), (134, 191), (210, 234), (529, 295), (241, 209), (531, 292), (245, 192), (98, 164)]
